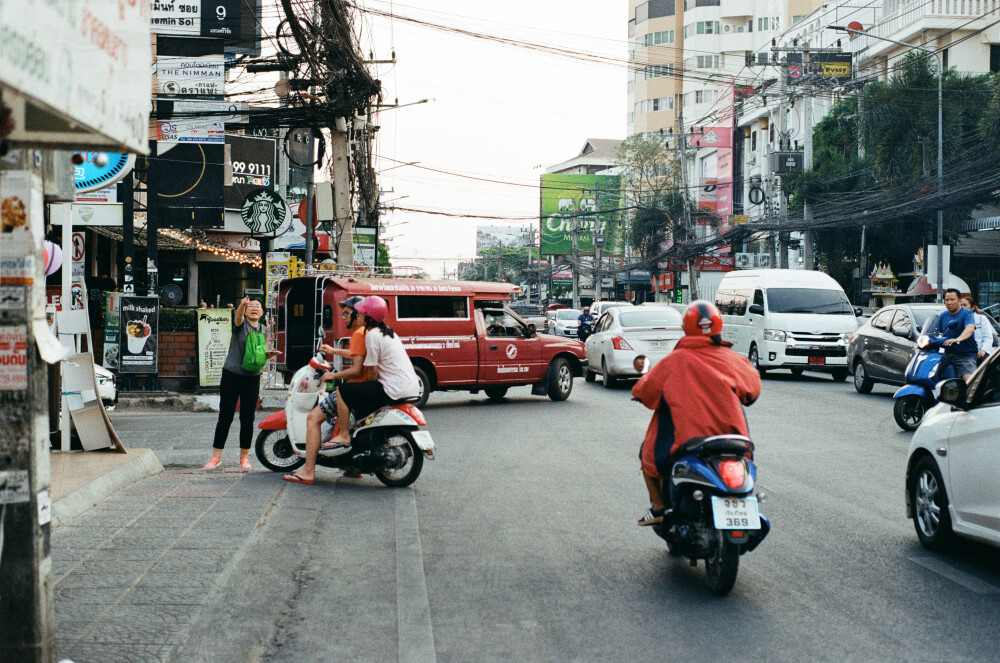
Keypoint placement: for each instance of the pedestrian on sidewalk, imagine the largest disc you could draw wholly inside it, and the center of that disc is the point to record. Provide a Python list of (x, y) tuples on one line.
[(240, 380)]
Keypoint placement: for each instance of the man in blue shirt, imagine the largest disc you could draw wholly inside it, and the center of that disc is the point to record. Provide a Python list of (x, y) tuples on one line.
[(958, 326)]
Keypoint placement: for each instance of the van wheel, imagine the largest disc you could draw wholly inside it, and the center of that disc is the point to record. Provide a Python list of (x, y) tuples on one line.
[(754, 358), (425, 386), (560, 380)]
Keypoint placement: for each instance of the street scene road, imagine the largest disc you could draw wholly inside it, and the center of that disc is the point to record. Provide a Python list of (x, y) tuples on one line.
[(519, 543)]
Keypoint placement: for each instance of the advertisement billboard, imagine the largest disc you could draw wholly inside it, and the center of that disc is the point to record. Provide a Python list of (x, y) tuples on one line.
[(570, 206)]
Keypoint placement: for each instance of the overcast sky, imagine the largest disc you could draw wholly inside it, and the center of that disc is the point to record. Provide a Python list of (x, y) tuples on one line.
[(499, 112)]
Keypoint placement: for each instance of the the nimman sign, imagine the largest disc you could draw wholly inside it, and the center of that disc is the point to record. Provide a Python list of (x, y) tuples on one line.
[(570, 206), (77, 74)]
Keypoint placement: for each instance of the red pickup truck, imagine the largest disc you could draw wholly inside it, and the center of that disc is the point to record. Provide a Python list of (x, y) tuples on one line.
[(459, 335)]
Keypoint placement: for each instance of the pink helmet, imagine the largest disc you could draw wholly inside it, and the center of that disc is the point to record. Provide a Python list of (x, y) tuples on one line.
[(374, 307)]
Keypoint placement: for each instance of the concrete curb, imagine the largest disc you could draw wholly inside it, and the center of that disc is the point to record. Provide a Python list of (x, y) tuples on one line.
[(145, 464)]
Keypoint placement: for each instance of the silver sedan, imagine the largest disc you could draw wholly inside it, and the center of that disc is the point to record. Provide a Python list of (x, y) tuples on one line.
[(623, 333)]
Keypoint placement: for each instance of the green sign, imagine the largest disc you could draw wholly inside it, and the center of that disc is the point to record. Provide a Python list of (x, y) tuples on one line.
[(570, 206)]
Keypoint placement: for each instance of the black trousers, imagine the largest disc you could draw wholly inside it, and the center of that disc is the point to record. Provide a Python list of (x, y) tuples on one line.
[(246, 389)]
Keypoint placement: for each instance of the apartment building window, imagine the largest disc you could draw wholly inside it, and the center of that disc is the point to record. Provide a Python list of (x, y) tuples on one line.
[(658, 70), (994, 57), (662, 37)]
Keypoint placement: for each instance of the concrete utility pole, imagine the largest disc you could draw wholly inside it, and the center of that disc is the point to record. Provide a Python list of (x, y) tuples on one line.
[(27, 616), (682, 145)]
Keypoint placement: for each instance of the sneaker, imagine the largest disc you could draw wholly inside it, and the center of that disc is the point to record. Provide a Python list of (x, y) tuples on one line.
[(652, 517), (212, 464), (245, 464)]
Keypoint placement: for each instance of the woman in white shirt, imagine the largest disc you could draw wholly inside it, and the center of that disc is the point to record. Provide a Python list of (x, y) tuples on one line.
[(985, 335)]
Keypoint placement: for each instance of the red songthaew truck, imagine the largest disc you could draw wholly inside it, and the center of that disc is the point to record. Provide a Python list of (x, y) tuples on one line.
[(459, 335)]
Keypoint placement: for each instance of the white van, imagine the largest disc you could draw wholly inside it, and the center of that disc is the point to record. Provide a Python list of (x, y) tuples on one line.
[(787, 318)]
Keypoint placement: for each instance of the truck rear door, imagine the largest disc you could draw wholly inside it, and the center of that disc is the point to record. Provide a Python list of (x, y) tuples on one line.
[(508, 354)]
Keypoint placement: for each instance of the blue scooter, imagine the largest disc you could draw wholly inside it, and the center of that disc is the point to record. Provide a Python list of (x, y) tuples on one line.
[(922, 376), (715, 515)]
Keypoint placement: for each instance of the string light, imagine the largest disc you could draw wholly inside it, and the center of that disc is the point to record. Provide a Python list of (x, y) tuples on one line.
[(201, 244)]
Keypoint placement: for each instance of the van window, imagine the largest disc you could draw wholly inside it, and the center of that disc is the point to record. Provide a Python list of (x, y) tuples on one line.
[(431, 306), (808, 300)]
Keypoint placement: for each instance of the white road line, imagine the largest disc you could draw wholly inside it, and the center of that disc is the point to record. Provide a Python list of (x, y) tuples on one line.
[(964, 579), (413, 612)]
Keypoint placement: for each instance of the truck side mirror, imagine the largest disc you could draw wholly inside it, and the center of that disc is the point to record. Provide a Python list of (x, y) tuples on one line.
[(953, 392)]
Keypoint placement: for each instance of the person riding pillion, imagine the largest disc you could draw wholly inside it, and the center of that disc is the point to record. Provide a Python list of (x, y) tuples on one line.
[(697, 390)]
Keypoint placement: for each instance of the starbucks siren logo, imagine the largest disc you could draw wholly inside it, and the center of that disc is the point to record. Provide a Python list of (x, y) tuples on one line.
[(263, 211)]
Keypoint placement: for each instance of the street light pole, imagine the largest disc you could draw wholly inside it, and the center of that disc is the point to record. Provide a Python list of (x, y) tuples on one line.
[(940, 147)]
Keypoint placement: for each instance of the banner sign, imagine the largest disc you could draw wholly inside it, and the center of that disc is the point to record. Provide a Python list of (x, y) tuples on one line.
[(826, 65), (191, 68), (112, 327), (139, 320), (569, 206), (254, 162), (87, 215), (87, 62), (279, 264), (215, 329), (175, 17)]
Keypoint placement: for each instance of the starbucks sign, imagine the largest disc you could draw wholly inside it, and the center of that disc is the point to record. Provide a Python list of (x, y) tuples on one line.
[(263, 211)]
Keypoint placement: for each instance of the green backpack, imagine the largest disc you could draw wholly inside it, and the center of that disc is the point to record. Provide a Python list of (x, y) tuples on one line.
[(255, 353)]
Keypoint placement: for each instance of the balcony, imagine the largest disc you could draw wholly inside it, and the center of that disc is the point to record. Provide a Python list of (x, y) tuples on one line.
[(920, 15)]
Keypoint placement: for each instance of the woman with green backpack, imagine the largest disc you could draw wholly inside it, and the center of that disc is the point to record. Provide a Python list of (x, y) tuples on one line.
[(241, 380)]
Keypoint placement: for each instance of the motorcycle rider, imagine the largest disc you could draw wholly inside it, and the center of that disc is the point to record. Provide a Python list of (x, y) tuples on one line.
[(699, 389), (393, 377), (327, 407)]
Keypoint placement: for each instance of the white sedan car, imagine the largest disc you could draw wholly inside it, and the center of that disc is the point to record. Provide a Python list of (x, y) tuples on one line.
[(954, 457), (622, 333)]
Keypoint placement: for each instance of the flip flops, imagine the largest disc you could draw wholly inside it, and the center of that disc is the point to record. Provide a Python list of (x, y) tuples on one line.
[(295, 478)]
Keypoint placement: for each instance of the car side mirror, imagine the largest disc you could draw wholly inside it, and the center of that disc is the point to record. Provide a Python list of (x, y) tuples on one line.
[(901, 332), (952, 391), (756, 309)]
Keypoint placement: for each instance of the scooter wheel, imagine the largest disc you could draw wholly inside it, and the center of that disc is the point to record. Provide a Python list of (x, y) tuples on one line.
[(274, 451), (908, 411)]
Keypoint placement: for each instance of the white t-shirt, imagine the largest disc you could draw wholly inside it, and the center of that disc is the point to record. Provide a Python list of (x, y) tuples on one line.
[(395, 371)]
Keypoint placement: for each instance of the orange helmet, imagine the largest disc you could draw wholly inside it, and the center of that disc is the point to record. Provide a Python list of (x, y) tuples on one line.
[(702, 319)]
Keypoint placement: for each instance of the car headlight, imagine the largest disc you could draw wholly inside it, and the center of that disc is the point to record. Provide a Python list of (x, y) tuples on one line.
[(774, 335)]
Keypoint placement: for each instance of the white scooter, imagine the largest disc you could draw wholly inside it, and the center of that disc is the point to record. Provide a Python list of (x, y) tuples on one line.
[(388, 443)]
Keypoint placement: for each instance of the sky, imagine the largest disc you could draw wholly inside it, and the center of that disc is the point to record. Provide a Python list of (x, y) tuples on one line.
[(498, 112)]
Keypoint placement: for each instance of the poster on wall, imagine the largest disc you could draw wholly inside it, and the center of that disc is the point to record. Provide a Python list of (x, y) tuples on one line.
[(138, 346), (112, 327), (215, 329)]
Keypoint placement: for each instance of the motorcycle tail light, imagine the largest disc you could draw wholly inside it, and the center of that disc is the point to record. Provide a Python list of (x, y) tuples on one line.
[(620, 343), (733, 473)]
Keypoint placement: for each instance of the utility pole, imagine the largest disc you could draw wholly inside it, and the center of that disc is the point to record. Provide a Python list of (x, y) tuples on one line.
[(682, 145), (27, 617)]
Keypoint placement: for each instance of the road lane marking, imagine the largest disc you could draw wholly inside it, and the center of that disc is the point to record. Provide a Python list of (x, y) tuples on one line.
[(413, 612), (964, 579)]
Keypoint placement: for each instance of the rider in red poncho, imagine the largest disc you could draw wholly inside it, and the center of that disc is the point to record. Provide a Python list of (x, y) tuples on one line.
[(699, 389)]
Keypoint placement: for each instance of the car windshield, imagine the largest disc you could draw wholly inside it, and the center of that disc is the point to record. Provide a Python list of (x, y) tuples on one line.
[(652, 317), (808, 300), (567, 314)]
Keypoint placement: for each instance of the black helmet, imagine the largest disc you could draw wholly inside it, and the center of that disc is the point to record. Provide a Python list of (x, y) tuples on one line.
[(352, 302)]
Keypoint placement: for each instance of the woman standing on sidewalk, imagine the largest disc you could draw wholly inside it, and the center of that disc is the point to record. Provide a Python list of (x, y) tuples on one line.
[(239, 383)]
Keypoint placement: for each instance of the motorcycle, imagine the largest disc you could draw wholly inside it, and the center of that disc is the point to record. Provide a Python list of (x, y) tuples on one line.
[(922, 375), (716, 515), (388, 443)]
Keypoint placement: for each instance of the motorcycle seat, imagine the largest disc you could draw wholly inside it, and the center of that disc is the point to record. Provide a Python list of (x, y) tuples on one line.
[(717, 444)]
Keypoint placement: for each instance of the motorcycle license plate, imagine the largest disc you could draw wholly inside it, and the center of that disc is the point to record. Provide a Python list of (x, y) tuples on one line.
[(423, 440), (735, 512), (817, 360)]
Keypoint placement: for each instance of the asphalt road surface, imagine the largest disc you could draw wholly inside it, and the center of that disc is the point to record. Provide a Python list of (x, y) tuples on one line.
[(519, 543)]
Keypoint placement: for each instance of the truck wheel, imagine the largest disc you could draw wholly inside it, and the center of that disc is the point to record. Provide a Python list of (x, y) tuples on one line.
[(425, 386), (560, 380), (496, 394)]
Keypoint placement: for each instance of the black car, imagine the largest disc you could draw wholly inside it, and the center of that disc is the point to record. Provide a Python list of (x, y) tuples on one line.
[(882, 347)]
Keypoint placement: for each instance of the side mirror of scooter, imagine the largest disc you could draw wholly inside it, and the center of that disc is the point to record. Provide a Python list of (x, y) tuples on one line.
[(952, 391)]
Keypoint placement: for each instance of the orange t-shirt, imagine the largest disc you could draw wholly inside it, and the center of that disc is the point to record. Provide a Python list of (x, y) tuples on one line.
[(357, 347)]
